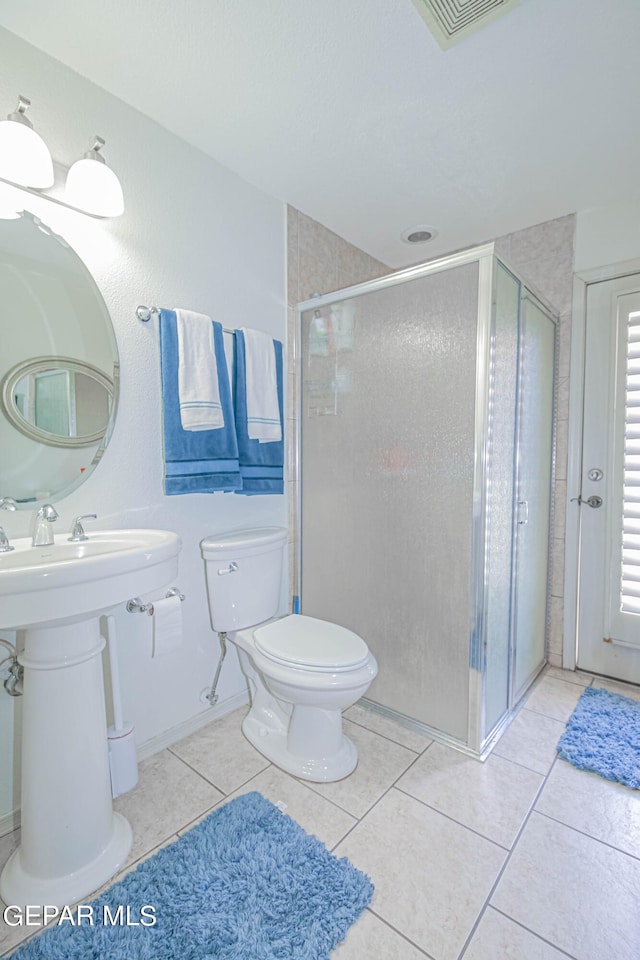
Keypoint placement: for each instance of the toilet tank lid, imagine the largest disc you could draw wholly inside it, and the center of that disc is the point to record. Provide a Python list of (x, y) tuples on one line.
[(221, 543), (311, 643)]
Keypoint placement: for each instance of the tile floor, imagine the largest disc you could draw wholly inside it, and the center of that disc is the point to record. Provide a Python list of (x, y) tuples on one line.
[(520, 858)]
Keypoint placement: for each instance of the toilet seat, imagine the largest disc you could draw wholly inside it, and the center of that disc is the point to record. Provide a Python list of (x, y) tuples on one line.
[(311, 644)]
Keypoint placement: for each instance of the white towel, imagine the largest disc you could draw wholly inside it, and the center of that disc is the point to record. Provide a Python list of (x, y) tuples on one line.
[(263, 412), (198, 390)]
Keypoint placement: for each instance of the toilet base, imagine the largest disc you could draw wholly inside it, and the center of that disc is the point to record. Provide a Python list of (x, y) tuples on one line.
[(273, 744)]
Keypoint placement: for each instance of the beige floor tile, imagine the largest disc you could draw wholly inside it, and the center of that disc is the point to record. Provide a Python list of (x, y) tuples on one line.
[(630, 690), (431, 875), (167, 796), (569, 676), (554, 698), (10, 936), (8, 843), (573, 891), (380, 763), (316, 815), (499, 938), (222, 753), (605, 810), (531, 740), (386, 727), (370, 937), (492, 798)]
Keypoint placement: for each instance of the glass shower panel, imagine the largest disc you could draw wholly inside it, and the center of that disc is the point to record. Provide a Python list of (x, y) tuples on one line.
[(499, 494), (387, 464), (535, 462)]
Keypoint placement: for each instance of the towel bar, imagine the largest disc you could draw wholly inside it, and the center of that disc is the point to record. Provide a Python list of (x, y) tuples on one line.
[(145, 313)]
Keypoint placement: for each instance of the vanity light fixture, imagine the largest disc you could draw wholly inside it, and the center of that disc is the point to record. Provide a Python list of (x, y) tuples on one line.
[(93, 186), (25, 164), (25, 156)]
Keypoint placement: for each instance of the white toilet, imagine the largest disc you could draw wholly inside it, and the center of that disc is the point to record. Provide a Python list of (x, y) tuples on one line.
[(302, 672)]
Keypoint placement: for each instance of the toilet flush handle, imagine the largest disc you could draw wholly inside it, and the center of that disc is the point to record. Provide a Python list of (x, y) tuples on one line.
[(233, 566)]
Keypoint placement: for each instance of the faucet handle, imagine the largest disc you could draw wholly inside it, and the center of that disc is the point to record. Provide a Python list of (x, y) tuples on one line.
[(5, 546), (47, 512), (7, 503), (77, 530)]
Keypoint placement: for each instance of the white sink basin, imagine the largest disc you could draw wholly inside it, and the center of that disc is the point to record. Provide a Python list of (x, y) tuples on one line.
[(72, 841), (67, 581)]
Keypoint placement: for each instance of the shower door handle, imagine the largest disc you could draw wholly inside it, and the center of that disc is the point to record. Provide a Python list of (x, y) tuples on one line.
[(523, 512)]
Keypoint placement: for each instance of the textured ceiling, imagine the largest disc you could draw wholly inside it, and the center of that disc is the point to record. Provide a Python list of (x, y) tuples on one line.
[(350, 111)]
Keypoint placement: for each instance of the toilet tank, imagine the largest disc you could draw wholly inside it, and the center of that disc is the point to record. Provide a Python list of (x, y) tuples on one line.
[(244, 575)]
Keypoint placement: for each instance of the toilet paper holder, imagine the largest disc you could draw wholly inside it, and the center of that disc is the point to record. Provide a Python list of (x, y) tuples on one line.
[(137, 606)]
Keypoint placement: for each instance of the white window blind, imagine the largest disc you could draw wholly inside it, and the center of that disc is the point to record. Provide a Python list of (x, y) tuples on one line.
[(630, 579)]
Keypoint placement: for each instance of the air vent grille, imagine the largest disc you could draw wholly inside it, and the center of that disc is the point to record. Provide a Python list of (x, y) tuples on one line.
[(452, 20)]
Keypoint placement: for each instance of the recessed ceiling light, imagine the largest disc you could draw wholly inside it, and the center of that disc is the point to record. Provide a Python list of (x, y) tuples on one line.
[(420, 234)]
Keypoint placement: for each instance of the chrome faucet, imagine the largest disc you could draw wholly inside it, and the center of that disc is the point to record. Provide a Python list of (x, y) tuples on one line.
[(5, 546), (43, 532), (77, 530), (6, 503)]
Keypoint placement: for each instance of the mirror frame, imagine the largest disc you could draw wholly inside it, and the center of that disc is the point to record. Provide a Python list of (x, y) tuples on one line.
[(38, 365)]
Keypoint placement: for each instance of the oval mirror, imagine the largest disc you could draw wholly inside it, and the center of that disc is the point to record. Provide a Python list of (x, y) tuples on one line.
[(58, 400), (58, 365)]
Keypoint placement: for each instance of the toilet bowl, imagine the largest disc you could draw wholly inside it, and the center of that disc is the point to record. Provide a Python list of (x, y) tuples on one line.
[(302, 672)]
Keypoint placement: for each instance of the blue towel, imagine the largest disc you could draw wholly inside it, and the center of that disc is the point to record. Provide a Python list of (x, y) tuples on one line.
[(195, 461), (261, 464)]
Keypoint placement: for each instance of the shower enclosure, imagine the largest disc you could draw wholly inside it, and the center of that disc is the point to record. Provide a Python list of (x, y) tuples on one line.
[(426, 468)]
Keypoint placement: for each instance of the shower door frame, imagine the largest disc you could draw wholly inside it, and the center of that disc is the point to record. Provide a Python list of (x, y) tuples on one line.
[(479, 741)]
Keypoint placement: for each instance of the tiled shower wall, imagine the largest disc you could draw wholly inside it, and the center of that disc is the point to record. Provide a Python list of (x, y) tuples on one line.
[(319, 261)]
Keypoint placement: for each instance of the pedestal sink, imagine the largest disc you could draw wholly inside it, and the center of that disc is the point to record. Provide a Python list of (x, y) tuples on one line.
[(72, 841)]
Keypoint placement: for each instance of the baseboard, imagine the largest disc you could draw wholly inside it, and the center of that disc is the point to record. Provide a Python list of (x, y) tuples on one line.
[(11, 821), (181, 730)]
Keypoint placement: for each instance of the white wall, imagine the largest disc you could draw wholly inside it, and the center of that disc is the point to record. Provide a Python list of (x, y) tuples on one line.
[(193, 235), (607, 235)]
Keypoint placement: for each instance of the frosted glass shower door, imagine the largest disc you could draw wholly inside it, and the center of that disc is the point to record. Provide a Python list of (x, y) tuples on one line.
[(535, 460), (387, 467)]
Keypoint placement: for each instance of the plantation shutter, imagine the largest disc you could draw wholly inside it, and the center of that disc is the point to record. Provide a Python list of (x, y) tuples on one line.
[(630, 580)]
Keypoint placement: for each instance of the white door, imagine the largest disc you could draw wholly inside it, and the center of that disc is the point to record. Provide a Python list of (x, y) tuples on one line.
[(609, 504)]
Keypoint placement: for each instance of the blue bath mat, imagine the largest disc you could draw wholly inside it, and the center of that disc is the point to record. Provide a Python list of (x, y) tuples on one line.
[(603, 736), (245, 884)]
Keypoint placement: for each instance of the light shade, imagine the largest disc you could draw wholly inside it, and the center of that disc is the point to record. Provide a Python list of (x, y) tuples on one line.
[(93, 186), (24, 156)]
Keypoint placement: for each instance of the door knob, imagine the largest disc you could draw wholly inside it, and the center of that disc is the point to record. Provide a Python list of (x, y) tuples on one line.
[(594, 502)]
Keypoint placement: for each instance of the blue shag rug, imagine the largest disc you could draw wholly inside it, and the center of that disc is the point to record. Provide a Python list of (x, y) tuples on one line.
[(245, 884), (603, 736)]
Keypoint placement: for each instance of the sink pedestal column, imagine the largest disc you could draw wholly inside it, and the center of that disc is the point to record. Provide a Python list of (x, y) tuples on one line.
[(72, 841)]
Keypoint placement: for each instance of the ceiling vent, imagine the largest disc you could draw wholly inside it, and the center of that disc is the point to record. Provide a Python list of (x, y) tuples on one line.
[(452, 20)]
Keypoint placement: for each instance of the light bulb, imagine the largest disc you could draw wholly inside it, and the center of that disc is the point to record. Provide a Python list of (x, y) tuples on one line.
[(24, 156), (93, 186)]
